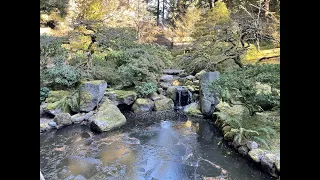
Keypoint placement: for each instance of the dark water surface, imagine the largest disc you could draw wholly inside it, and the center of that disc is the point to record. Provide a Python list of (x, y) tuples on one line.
[(165, 149)]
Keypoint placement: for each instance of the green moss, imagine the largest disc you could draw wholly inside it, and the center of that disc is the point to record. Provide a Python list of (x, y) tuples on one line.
[(141, 101), (193, 109), (111, 115), (164, 104), (255, 154), (85, 97), (199, 74), (55, 96), (229, 136), (61, 104), (121, 94), (52, 106), (188, 82), (226, 129)]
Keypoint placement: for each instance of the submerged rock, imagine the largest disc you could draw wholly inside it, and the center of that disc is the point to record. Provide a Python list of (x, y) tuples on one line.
[(142, 105), (208, 99), (63, 119), (126, 97), (163, 104), (107, 118), (52, 124)]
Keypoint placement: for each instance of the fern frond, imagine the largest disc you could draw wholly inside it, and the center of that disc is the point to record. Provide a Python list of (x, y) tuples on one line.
[(233, 122), (250, 132), (261, 140)]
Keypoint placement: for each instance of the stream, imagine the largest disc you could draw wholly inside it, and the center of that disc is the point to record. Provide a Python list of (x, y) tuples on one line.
[(153, 149)]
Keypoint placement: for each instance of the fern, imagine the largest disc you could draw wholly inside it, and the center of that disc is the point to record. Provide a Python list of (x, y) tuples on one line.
[(261, 140)]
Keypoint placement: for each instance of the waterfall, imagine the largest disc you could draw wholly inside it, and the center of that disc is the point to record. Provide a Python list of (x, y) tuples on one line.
[(183, 98)]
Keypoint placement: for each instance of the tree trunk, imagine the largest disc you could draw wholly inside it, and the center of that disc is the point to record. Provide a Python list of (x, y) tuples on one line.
[(210, 4), (158, 13), (266, 7), (163, 1)]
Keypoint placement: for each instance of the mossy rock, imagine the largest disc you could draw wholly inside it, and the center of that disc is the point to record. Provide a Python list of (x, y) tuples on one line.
[(226, 129), (90, 94), (73, 102), (63, 119), (163, 104), (190, 88), (142, 105), (55, 96), (199, 74), (256, 154), (58, 106), (192, 109), (229, 136), (188, 82), (122, 96), (108, 117)]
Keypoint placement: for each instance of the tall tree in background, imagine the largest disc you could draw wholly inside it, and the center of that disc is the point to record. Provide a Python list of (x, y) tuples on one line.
[(266, 6)]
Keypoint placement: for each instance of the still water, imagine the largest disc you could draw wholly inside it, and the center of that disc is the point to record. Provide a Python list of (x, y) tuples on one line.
[(164, 149)]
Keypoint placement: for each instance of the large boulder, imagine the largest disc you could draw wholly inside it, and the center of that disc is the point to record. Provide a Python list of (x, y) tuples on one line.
[(90, 94), (172, 92), (142, 105), (208, 99), (193, 109), (107, 118), (234, 111), (163, 104), (63, 119), (126, 97)]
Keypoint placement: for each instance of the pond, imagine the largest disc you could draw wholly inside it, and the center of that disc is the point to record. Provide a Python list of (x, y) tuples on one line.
[(168, 148)]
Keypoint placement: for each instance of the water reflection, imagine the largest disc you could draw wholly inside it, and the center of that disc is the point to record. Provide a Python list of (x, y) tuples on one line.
[(164, 150)]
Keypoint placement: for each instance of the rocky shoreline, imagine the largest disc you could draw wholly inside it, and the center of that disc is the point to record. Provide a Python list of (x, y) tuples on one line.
[(98, 106)]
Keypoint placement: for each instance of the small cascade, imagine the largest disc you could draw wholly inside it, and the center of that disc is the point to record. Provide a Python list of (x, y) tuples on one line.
[(183, 98)]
